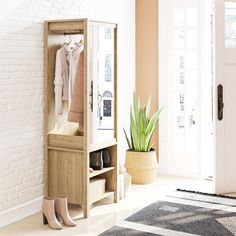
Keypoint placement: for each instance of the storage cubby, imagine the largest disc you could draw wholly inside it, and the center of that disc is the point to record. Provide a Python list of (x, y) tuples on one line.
[(67, 147)]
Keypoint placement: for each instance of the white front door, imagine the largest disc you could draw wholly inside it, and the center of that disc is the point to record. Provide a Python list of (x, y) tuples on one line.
[(197, 88), (185, 88), (225, 109)]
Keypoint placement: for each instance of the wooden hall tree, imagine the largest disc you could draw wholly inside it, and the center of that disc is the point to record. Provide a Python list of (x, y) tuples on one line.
[(67, 150)]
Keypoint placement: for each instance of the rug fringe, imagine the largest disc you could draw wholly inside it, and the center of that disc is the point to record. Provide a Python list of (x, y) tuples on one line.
[(207, 194)]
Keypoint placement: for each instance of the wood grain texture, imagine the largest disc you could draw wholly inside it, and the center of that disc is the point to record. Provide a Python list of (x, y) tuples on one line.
[(112, 176), (99, 172), (66, 153), (66, 175), (97, 146), (86, 121), (45, 108), (66, 141), (66, 27)]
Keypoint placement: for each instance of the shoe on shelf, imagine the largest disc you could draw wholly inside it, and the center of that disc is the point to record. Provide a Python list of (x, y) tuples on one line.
[(61, 208), (96, 161), (49, 216), (106, 158)]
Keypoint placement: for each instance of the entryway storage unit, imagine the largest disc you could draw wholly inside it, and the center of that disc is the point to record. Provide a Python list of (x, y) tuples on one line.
[(67, 147)]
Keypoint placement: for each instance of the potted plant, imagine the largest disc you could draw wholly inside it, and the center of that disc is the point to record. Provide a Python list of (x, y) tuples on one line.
[(141, 161)]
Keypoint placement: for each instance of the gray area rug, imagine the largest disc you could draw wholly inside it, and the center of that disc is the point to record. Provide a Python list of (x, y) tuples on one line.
[(183, 214), (185, 218)]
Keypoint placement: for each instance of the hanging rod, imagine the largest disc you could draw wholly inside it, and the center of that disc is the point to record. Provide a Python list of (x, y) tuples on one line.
[(69, 33)]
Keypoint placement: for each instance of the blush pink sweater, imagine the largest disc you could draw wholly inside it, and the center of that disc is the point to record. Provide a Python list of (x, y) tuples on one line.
[(76, 108)]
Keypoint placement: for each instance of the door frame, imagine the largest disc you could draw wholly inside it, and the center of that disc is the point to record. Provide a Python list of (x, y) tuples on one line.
[(218, 78)]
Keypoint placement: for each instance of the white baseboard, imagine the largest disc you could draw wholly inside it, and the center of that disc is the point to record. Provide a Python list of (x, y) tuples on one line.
[(21, 211)]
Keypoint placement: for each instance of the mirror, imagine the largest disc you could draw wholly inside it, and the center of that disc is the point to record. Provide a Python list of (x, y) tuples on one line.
[(102, 83)]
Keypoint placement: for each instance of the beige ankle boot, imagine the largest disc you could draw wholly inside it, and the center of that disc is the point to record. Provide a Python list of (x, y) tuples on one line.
[(49, 216), (62, 210)]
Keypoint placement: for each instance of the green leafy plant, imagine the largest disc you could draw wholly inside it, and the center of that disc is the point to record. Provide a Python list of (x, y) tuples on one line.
[(142, 126)]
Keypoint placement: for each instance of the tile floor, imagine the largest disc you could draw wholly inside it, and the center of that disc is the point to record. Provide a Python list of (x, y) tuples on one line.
[(104, 215)]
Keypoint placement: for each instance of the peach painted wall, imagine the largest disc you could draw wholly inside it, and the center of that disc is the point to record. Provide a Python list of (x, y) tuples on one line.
[(147, 54)]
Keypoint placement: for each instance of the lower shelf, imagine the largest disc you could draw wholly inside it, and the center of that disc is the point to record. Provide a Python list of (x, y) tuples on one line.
[(105, 195), (99, 172)]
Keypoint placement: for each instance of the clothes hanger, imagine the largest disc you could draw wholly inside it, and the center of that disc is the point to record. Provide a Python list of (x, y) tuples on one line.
[(76, 44), (66, 43), (79, 44), (70, 42)]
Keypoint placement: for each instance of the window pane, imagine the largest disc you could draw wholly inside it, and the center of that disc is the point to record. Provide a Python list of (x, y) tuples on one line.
[(191, 60), (179, 17), (230, 24), (191, 39), (179, 61), (179, 144), (191, 17), (179, 36), (191, 79), (179, 77)]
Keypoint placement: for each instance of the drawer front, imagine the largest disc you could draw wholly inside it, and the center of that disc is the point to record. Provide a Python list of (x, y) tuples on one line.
[(66, 141)]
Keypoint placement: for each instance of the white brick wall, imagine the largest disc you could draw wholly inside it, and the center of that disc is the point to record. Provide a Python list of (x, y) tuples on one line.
[(21, 86)]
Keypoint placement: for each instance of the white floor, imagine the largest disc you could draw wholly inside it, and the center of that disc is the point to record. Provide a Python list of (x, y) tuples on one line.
[(103, 214)]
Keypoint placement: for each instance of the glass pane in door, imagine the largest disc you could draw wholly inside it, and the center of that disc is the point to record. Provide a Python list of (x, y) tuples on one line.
[(230, 24)]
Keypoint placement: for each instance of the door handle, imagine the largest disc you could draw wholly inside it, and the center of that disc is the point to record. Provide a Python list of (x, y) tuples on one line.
[(220, 102)]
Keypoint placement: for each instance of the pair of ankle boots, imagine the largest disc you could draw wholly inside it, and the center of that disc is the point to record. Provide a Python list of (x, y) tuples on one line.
[(53, 210), (100, 159)]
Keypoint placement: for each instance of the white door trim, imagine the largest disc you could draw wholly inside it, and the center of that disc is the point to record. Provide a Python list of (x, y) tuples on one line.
[(218, 74)]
